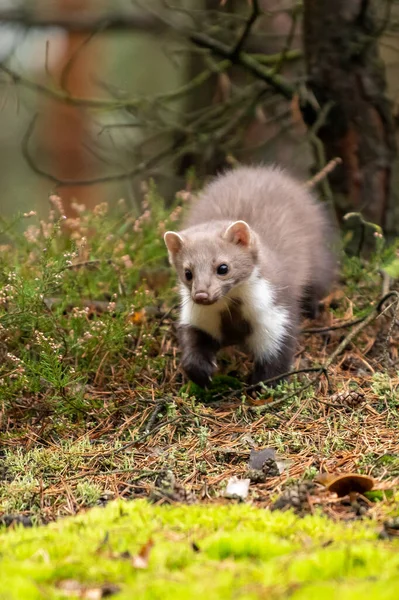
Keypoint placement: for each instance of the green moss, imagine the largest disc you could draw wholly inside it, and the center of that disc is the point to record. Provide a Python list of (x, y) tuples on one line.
[(221, 551), (220, 385)]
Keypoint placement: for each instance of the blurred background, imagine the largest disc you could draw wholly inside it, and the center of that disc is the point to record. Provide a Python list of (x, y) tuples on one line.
[(97, 97)]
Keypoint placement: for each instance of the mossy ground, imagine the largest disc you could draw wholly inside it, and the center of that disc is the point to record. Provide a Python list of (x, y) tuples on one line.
[(231, 551), (93, 406)]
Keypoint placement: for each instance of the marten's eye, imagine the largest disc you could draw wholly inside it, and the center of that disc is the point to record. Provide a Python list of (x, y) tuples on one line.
[(222, 269), (188, 274)]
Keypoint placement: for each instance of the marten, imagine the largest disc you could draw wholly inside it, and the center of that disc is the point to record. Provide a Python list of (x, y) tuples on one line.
[(255, 251)]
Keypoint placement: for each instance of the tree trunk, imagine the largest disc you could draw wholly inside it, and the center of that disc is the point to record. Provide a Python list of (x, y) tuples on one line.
[(341, 48), (66, 128)]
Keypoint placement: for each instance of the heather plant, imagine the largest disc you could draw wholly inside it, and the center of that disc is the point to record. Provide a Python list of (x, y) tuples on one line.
[(74, 294)]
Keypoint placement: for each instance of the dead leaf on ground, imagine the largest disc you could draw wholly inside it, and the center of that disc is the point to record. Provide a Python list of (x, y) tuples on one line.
[(138, 317), (260, 401), (140, 560)]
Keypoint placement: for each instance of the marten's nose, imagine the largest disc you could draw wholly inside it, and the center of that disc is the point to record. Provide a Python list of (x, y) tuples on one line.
[(201, 298)]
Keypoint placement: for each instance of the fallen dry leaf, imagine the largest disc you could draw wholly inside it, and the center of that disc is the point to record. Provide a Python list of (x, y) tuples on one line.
[(140, 560), (138, 317)]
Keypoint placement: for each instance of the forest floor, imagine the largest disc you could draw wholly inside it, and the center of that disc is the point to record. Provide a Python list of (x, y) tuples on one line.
[(95, 412)]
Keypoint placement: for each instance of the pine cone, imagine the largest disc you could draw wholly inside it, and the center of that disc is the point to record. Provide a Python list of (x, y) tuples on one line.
[(351, 399), (390, 530), (256, 476), (295, 497), (270, 468), (169, 490)]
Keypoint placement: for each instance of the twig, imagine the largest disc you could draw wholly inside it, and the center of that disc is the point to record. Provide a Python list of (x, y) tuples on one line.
[(75, 56), (290, 37), (255, 386), (150, 423), (319, 372), (345, 342), (366, 321), (364, 225), (202, 40), (66, 98), (386, 282), (330, 166), (140, 439), (89, 264), (392, 325), (272, 59), (279, 83), (333, 327), (319, 148), (116, 103), (163, 318), (140, 168), (99, 305), (247, 30)]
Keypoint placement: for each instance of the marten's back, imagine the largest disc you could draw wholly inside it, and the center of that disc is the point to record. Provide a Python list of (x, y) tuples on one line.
[(286, 216)]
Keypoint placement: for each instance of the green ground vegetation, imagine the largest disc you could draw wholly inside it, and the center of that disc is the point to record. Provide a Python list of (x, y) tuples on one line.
[(135, 550)]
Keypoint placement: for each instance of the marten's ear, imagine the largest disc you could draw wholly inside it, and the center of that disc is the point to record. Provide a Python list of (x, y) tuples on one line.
[(238, 233), (173, 241)]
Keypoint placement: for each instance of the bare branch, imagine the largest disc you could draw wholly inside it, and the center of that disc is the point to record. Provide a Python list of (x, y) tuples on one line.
[(81, 22), (279, 83), (330, 166), (61, 96), (216, 123), (290, 38), (247, 30), (140, 168)]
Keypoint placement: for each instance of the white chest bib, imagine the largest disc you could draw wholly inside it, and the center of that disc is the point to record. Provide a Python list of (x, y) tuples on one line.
[(268, 321)]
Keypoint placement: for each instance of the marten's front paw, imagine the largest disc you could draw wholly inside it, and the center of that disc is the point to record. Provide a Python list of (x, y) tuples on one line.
[(199, 370)]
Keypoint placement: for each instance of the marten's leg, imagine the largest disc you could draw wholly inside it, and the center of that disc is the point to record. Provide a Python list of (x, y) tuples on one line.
[(276, 356), (311, 303), (198, 354), (268, 367)]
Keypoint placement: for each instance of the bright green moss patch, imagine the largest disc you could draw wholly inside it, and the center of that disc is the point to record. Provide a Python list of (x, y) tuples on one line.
[(221, 551), (220, 384)]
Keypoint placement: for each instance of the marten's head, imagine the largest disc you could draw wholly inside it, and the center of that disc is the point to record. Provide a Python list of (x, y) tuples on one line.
[(212, 259)]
